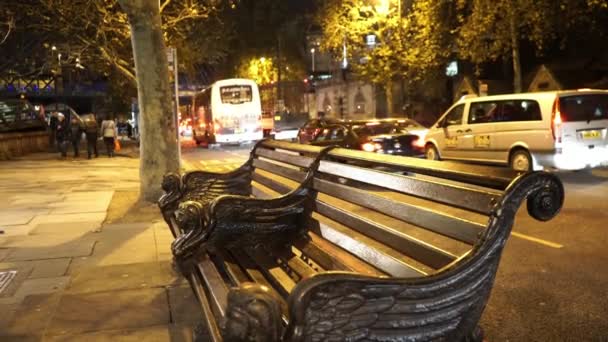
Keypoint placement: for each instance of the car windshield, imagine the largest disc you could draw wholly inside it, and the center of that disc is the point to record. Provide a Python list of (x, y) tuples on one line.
[(584, 107), (236, 94), (376, 129)]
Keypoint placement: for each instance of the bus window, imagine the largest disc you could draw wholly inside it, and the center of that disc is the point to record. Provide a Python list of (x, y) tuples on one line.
[(236, 94)]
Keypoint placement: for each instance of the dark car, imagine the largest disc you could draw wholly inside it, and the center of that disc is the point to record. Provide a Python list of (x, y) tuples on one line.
[(313, 127), (387, 137), (19, 115)]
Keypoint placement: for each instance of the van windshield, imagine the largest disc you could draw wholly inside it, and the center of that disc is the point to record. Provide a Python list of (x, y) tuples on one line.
[(584, 107)]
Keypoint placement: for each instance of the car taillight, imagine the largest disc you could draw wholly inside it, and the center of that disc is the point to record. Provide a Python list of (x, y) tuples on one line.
[(556, 122)]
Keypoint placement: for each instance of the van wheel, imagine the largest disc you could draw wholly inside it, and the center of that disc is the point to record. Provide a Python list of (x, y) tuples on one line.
[(521, 161), (431, 153)]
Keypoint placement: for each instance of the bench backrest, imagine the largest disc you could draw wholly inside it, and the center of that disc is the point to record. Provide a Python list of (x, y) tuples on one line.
[(386, 222)]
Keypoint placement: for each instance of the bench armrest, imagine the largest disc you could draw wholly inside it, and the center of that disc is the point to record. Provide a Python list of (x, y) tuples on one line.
[(202, 186), (231, 220)]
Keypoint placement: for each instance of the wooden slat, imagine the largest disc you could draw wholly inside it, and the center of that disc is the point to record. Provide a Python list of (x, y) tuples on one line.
[(231, 268), (272, 184), (273, 271), (295, 175), (424, 217), (423, 252), (296, 264), (494, 177), (300, 161), (284, 145), (208, 317), (332, 257), (256, 273), (216, 289), (366, 249), (257, 276), (473, 199)]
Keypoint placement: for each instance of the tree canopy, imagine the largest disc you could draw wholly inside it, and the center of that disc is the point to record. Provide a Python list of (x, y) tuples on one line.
[(98, 33), (384, 43)]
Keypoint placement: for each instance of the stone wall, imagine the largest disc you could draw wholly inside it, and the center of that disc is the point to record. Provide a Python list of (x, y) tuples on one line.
[(18, 144)]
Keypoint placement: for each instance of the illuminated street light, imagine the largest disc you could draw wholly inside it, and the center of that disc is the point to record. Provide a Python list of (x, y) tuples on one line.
[(383, 7), (263, 59), (312, 52), (54, 48)]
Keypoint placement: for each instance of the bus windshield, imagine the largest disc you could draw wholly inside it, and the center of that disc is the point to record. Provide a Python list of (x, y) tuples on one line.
[(236, 94)]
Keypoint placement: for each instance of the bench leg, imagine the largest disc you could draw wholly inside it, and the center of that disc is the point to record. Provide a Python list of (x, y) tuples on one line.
[(201, 333), (253, 314), (475, 336)]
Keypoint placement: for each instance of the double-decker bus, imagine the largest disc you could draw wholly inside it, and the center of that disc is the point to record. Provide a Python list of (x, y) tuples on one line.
[(228, 112)]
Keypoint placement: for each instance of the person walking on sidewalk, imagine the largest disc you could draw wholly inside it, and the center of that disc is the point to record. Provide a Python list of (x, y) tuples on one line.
[(76, 135), (108, 131), (91, 132), (62, 135)]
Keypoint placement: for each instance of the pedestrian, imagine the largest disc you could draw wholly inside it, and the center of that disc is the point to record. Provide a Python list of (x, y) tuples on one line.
[(53, 131), (91, 132), (109, 133), (62, 135), (76, 135)]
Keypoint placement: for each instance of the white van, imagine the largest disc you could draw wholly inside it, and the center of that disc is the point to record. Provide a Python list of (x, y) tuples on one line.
[(560, 129)]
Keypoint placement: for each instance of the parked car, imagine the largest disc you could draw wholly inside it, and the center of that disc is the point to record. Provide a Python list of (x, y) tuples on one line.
[(312, 127), (287, 125), (19, 115), (557, 129), (385, 137)]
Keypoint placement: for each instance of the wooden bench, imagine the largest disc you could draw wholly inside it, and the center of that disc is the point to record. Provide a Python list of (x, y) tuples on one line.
[(333, 249)]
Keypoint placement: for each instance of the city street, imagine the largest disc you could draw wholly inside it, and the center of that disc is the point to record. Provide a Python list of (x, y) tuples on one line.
[(550, 285)]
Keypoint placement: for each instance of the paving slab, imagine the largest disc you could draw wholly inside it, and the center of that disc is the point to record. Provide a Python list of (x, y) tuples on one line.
[(50, 268), (32, 199), (118, 277), (74, 248), (16, 216), (125, 246), (73, 217), (4, 252), (37, 286), (66, 228), (183, 304), (22, 229), (31, 317), (160, 333), (130, 309)]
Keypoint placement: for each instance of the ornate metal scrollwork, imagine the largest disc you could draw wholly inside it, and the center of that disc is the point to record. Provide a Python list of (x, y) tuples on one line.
[(172, 186), (445, 306), (253, 314)]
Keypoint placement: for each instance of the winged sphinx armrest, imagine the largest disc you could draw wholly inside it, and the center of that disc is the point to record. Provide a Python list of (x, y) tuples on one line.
[(233, 220)]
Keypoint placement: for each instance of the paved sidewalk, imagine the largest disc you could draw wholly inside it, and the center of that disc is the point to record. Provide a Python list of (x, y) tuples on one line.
[(73, 275)]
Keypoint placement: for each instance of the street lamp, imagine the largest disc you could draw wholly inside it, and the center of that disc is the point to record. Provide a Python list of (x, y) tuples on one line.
[(312, 52), (383, 7)]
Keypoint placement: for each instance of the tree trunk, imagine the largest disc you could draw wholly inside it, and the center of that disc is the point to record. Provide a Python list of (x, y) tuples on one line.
[(158, 132), (389, 98), (517, 87)]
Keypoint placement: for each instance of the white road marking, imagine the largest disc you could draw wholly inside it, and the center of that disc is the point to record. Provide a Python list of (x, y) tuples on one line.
[(537, 240)]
